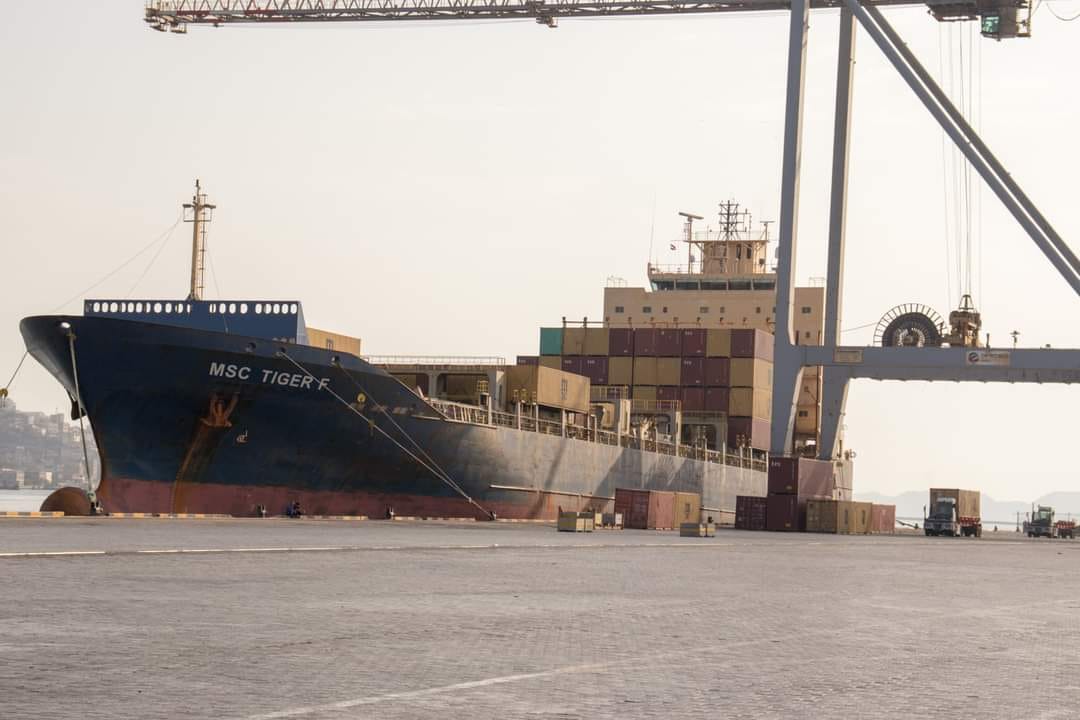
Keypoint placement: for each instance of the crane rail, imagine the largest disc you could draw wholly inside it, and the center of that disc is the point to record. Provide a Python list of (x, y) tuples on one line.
[(176, 14)]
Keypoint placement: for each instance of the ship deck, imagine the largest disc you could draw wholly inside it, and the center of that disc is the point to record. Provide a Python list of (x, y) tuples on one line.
[(340, 619)]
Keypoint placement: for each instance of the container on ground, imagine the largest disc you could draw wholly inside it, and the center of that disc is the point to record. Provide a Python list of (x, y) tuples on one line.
[(750, 512), (646, 509)]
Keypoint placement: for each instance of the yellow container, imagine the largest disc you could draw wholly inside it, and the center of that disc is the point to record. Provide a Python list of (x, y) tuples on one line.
[(573, 341), (551, 361), (644, 392), (668, 371), (620, 371), (596, 341), (718, 343), (548, 387), (750, 402), (645, 371), (687, 508), (751, 372)]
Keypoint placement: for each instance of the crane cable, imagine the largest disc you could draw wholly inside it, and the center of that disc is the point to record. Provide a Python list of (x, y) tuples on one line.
[(438, 473)]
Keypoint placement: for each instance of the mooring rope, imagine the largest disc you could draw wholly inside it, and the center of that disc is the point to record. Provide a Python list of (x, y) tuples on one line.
[(371, 423), (7, 388), (82, 427)]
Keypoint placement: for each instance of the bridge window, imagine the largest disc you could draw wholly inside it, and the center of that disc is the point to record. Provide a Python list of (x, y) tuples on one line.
[(683, 285), (619, 309), (703, 309), (805, 310), (646, 309)]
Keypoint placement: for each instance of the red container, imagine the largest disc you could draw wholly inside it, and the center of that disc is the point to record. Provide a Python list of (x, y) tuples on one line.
[(621, 342), (667, 392), (785, 513), (528, 360), (754, 431), (668, 343), (718, 372), (716, 399), (573, 364), (693, 399), (693, 372), (805, 477), (883, 519), (750, 512), (693, 343), (596, 369), (645, 342), (646, 509), (750, 343)]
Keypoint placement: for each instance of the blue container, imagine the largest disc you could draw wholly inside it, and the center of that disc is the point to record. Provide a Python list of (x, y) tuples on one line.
[(551, 341)]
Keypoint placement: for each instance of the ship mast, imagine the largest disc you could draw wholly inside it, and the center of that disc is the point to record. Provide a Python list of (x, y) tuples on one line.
[(199, 213)]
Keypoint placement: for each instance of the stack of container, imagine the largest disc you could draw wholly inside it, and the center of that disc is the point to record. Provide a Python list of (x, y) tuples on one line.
[(793, 482), (656, 509), (847, 517), (750, 396)]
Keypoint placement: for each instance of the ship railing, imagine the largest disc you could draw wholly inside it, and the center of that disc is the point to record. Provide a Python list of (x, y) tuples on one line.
[(474, 415)]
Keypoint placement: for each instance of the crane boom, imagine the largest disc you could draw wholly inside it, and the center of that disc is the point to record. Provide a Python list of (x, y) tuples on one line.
[(175, 15)]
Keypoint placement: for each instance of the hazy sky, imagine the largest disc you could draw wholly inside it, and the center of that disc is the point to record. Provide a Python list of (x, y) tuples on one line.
[(448, 188)]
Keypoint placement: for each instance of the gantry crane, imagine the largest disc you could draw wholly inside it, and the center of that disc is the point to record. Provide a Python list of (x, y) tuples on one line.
[(999, 20)]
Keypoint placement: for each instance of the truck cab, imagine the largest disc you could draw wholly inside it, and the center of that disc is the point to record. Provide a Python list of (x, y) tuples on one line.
[(942, 519), (1041, 523)]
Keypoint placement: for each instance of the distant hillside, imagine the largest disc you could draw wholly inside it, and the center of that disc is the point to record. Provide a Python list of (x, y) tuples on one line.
[(910, 505)]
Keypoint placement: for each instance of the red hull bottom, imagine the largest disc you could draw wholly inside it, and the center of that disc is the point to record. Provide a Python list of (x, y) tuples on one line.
[(124, 495)]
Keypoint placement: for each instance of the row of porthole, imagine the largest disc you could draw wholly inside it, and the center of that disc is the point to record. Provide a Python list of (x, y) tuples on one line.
[(138, 307), (260, 308)]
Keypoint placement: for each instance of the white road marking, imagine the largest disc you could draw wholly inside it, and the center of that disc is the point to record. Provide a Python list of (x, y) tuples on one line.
[(346, 548), (410, 694)]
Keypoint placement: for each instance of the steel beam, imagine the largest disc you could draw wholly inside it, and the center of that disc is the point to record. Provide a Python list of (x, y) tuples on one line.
[(1037, 365), (874, 24), (834, 388), (1059, 244), (787, 370)]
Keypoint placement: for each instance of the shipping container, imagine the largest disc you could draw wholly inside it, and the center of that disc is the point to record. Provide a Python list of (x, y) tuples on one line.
[(883, 519), (749, 432), (751, 372), (694, 342), (645, 342), (597, 341), (621, 342), (668, 342), (527, 360), (668, 370), (718, 343), (716, 399), (573, 341), (687, 508), (645, 371), (718, 372), (620, 371), (845, 517), (693, 399), (667, 392), (692, 372), (551, 341), (644, 392), (551, 361), (967, 501), (596, 369), (750, 402), (785, 514), (821, 516), (573, 365), (547, 387), (646, 509), (750, 512), (801, 476), (751, 343), (861, 514)]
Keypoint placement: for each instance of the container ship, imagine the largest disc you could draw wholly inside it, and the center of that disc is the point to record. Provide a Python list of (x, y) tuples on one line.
[(239, 407)]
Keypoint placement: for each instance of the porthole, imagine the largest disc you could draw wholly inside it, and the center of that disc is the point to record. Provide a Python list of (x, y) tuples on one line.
[(243, 308), (138, 307), (277, 309), (157, 307), (258, 308), (97, 307), (292, 308), (232, 308), (113, 307)]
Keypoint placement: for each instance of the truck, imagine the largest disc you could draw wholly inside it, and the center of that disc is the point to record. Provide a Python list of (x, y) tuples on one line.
[(1040, 523), (953, 512)]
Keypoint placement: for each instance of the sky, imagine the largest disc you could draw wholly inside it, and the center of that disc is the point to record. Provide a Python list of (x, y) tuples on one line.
[(448, 188)]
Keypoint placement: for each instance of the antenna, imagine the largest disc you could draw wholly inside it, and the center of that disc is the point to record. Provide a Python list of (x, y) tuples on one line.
[(198, 212), (690, 218)]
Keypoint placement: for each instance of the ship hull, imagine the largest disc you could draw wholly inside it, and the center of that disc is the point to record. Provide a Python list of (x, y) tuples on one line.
[(194, 421)]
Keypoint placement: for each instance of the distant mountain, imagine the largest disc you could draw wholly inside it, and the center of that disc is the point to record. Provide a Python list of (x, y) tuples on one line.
[(910, 505)]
